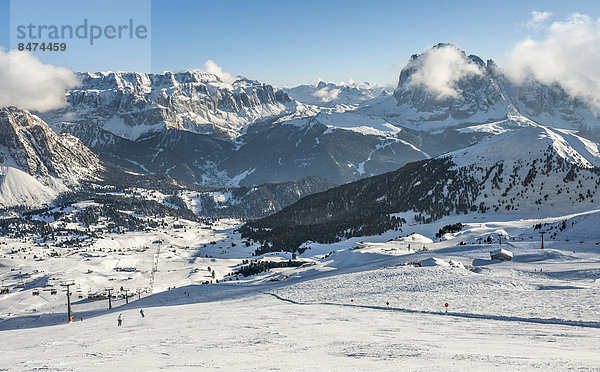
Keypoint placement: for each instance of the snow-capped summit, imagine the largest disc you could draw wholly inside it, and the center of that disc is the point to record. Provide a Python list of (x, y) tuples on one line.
[(532, 170), (444, 84), (534, 141)]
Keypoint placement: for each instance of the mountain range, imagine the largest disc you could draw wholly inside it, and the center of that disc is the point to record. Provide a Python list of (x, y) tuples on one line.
[(201, 129), (198, 131)]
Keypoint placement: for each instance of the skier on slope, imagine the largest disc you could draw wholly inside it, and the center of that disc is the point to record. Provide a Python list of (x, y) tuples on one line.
[(119, 320), (142, 313)]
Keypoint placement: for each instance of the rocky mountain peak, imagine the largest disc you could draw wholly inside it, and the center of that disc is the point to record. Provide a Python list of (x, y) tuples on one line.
[(478, 61), (461, 88), (28, 143), (444, 90)]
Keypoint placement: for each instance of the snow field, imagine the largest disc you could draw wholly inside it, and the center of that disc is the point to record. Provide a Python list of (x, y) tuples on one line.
[(538, 311)]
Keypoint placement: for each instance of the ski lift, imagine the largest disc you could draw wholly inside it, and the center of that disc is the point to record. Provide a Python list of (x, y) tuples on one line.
[(53, 291), (20, 284)]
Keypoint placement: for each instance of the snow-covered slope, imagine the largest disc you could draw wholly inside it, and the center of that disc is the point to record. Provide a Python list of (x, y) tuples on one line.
[(18, 188), (368, 303), (530, 142), (534, 169), (367, 125)]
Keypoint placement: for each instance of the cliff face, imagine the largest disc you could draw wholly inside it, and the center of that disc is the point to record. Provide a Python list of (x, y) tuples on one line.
[(135, 105), (28, 143)]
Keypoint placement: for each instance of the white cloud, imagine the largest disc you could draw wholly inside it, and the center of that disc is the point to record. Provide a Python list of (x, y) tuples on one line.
[(28, 83), (360, 84), (568, 55), (439, 69), (327, 94), (536, 19), (211, 67)]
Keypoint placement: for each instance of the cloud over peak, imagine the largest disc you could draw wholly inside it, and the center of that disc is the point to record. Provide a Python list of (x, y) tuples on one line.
[(211, 67), (568, 54), (28, 83), (326, 94), (440, 68)]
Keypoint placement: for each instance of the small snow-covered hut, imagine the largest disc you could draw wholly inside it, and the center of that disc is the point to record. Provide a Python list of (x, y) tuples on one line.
[(501, 254)]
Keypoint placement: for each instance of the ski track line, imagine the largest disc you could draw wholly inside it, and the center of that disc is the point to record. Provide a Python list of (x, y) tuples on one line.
[(504, 318)]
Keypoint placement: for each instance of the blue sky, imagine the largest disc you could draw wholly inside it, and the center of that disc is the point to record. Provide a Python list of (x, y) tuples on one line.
[(293, 42), (4, 23)]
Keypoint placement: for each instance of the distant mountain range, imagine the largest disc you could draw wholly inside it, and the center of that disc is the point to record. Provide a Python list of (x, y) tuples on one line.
[(344, 95), (199, 129), (137, 105)]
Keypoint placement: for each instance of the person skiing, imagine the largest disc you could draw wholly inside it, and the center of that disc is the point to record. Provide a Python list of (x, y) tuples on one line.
[(142, 313), (119, 320)]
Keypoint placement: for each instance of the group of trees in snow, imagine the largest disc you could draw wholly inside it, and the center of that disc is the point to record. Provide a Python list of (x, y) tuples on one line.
[(366, 207), (256, 267), (449, 229)]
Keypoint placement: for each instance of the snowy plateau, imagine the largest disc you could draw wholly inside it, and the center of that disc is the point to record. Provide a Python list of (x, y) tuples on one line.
[(329, 226)]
